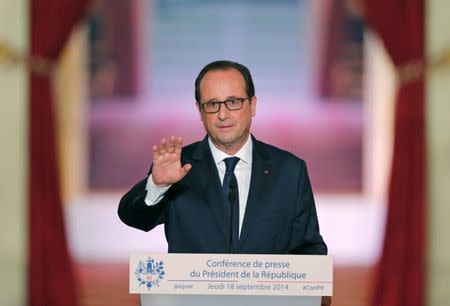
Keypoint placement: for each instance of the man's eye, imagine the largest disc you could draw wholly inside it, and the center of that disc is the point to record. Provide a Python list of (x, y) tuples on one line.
[(232, 101), (213, 104)]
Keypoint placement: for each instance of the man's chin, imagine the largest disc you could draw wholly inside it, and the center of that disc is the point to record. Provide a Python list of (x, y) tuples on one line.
[(225, 140)]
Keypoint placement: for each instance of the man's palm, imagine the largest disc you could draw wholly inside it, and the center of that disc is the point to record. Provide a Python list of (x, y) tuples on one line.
[(167, 168)]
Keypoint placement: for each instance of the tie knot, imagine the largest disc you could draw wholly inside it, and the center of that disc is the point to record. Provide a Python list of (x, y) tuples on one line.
[(231, 163)]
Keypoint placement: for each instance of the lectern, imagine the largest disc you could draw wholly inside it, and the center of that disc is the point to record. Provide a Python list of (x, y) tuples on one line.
[(231, 279)]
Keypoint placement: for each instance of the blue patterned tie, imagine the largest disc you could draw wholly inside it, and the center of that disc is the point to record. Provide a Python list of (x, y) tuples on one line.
[(231, 192)]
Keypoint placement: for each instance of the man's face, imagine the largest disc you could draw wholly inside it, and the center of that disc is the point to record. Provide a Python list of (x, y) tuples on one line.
[(227, 129)]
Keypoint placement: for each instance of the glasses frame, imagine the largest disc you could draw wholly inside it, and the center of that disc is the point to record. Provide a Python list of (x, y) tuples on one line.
[(242, 100)]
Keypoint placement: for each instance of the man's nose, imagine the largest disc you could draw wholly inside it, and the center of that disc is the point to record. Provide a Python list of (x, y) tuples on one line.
[(223, 112)]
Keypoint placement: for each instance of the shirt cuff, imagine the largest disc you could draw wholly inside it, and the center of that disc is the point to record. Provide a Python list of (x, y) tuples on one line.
[(154, 193)]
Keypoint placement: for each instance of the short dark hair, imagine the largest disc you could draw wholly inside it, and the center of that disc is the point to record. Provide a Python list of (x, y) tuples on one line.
[(225, 65)]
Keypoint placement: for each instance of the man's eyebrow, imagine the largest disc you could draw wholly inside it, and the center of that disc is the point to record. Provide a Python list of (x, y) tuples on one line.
[(217, 100)]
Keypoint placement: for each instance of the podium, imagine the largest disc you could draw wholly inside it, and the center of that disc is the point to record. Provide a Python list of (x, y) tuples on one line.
[(231, 279)]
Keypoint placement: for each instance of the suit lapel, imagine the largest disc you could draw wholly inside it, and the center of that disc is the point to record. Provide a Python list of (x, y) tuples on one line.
[(258, 183)]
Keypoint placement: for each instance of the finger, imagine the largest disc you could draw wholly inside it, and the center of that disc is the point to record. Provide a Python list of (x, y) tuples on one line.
[(186, 168), (171, 145), (155, 152), (179, 145), (163, 149)]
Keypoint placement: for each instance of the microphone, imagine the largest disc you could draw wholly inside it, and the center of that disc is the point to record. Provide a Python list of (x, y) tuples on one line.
[(232, 199)]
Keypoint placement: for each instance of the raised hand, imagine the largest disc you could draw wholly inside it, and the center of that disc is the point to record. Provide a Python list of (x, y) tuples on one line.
[(167, 167)]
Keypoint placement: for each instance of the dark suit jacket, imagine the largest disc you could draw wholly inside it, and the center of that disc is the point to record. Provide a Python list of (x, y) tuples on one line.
[(280, 216)]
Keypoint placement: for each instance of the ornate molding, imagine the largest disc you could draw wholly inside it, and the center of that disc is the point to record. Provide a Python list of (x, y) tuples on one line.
[(11, 57)]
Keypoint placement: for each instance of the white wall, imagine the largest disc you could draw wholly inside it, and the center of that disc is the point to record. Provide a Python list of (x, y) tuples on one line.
[(13, 166), (438, 128)]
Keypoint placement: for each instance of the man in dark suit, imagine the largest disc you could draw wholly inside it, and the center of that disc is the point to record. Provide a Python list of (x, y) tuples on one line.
[(228, 192)]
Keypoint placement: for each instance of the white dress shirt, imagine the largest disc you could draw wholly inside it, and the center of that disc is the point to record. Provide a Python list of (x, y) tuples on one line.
[(242, 171)]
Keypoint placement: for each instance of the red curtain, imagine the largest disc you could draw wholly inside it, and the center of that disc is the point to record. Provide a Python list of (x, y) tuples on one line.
[(401, 271), (50, 278)]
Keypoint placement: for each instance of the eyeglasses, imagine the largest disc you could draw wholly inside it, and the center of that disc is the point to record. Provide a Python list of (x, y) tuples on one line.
[(232, 104)]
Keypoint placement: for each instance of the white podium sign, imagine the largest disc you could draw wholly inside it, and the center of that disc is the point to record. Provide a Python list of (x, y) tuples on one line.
[(231, 274)]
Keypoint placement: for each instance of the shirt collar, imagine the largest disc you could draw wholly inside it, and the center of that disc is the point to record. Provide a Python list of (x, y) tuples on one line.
[(244, 154)]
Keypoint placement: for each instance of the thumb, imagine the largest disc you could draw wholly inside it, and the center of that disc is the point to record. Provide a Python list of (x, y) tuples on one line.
[(186, 168)]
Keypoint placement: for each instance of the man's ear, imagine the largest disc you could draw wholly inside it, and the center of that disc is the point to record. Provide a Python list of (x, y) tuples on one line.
[(199, 110), (253, 105)]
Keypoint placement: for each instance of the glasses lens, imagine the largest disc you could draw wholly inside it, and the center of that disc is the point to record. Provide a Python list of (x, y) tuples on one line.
[(211, 107), (234, 104)]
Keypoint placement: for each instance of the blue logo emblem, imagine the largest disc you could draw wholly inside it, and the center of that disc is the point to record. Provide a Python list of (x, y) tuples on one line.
[(149, 272)]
